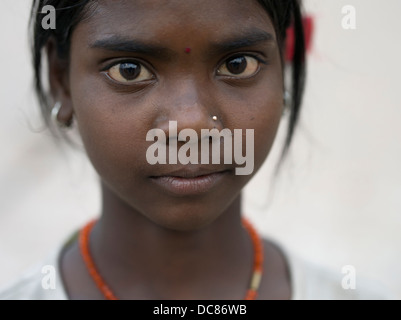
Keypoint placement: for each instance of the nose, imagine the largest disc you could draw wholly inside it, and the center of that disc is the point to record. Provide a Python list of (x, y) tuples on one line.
[(189, 104)]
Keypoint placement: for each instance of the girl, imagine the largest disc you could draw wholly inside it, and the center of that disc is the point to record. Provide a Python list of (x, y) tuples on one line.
[(118, 70)]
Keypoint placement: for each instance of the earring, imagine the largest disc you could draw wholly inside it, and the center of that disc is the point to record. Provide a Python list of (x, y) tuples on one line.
[(287, 98), (286, 101), (54, 114)]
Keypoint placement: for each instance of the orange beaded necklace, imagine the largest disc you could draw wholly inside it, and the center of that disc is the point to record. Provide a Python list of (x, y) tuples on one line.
[(109, 295)]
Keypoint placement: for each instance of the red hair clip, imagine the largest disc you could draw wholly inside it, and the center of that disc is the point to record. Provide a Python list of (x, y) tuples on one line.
[(308, 23)]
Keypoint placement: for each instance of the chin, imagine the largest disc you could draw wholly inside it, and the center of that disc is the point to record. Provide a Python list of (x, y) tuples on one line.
[(186, 219)]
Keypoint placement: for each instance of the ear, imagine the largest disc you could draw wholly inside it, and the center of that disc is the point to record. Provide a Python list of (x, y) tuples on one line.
[(59, 82)]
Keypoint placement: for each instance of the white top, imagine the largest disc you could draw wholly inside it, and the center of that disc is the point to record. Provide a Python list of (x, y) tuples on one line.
[(308, 281)]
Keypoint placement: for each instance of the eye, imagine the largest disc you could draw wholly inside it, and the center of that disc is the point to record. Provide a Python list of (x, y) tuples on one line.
[(129, 72), (240, 66)]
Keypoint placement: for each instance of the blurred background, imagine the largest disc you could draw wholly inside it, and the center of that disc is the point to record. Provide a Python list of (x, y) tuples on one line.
[(336, 199)]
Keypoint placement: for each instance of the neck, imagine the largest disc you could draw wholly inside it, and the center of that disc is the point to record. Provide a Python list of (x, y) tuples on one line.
[(138, 257)]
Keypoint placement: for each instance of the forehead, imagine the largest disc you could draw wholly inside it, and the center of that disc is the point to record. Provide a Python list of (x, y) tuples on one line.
[(158, 19)]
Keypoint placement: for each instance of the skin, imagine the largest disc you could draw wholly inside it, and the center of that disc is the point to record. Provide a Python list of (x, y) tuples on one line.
[(149, 243)]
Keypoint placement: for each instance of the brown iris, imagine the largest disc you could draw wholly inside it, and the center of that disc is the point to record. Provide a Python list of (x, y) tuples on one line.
[(237, 65), (130, 71)]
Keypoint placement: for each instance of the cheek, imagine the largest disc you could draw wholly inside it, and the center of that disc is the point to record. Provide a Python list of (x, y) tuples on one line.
[(266, 125), (261, 110), (112, 132)]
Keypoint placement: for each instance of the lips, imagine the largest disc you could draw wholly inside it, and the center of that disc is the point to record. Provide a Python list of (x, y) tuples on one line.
[(190, 181)]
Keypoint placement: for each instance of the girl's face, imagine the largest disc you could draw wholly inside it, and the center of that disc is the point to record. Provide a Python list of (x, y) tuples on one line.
[(135, 65)]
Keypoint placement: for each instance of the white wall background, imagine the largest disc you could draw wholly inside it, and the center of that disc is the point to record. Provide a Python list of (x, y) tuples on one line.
[(336, 201)]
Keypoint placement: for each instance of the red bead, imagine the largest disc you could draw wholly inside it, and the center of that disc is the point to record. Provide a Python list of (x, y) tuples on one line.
[(109, 295)]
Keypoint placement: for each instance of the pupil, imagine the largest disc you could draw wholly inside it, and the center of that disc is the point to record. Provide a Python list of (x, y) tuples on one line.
[(130, 71), (237, 65)]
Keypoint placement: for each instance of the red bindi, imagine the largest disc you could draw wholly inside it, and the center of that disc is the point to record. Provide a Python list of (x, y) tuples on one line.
[(187, 50)]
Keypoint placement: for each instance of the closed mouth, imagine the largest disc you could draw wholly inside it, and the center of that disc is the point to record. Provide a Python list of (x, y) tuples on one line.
[(190, 182)]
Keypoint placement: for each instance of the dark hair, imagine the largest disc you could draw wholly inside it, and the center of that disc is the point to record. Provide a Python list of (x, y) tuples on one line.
[(285, 13), (282, 12)]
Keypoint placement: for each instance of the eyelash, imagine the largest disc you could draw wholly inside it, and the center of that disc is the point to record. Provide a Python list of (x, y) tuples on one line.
[(150, 68), (127, 60), (237, 55)]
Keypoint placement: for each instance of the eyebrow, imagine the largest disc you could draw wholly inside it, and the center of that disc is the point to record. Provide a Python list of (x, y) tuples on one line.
[(250, 38), (123, 44)]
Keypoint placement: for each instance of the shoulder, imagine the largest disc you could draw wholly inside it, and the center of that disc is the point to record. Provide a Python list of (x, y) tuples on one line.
[(310, 281), (41, 282)]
